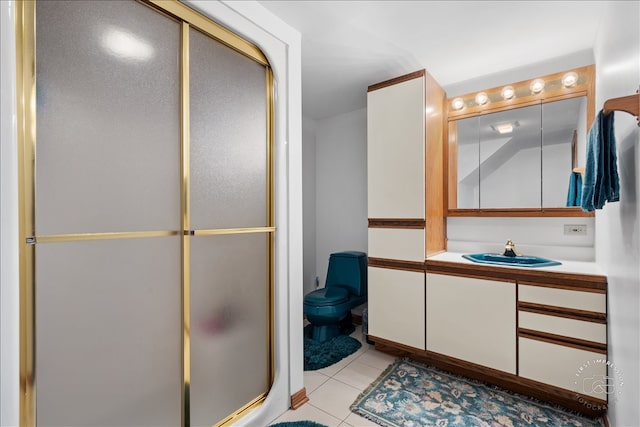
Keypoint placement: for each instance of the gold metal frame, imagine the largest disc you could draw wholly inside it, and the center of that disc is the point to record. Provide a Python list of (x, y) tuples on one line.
[(26, 94), (185, 242)]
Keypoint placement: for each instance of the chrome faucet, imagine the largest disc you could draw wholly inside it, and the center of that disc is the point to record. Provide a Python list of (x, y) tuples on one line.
[(510, 249)]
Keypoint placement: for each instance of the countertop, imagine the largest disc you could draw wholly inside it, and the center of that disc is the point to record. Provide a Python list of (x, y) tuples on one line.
[(570, 267)]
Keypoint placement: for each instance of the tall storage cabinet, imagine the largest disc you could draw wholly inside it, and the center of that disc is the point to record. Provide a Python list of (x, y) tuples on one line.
[(405, 202)]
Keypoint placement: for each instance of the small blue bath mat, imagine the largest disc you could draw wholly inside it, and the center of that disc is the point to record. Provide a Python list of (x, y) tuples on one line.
[(318, 355), (298, 424), (409, 393)]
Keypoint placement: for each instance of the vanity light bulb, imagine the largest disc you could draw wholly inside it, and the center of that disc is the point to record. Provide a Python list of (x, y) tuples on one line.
[(508, 92), (457, 104), (570, 79), (482, 98), (536, 86)]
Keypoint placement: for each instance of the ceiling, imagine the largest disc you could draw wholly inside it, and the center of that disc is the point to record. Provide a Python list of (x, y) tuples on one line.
[(349, 45)]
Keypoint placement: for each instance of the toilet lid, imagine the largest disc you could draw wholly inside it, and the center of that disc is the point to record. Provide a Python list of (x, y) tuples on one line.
[(327, 296)]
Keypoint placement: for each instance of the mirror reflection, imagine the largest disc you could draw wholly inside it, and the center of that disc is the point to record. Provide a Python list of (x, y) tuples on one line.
[(519, 158)]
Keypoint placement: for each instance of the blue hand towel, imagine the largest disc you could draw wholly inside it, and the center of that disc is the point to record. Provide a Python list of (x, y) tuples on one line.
[(601, 182), (574, 195)]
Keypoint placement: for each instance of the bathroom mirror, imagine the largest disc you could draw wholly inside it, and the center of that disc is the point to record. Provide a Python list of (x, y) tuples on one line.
[(517, 158)]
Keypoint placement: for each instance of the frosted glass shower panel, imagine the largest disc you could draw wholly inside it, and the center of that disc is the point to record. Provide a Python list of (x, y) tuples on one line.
[(108, 333), (228, 118), (108, 130), (229, 324)]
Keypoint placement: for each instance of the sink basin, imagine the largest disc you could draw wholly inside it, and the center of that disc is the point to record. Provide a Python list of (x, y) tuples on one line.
[(519, 261)]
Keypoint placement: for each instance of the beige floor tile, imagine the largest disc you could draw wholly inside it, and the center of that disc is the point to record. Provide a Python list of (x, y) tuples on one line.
[(358, 374), (377, 359), (356, 420), (334, 397), (313, 380), (336, 367)]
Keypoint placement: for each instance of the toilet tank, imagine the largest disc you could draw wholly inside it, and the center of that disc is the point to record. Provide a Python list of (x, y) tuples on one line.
[(348, 270)]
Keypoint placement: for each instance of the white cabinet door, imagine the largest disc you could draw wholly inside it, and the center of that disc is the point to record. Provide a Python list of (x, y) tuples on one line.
[(395, 150), (393, 243), (396, 306), (472, 320)]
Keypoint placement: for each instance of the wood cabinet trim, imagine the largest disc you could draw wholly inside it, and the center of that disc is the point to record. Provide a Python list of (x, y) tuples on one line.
[(409, 223), (465, 275), (562, 340), (585, 404), (434, 166), (396, 264), (568, 313), (596, 289), (547, 278), (396, 80)]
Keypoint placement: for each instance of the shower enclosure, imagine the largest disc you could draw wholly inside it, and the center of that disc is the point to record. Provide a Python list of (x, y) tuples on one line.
[(147, 227)]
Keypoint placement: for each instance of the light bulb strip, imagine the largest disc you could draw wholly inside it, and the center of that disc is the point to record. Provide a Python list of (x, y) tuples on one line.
[(566, 83)]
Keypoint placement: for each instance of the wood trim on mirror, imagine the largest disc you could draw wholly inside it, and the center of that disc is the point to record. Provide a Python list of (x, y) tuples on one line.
[(586, 87)]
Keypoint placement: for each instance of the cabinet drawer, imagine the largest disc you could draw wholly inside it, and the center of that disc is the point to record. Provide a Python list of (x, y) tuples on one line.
[(399, 244), (573, 369), (396, 306), (581, 329), (591, 301)]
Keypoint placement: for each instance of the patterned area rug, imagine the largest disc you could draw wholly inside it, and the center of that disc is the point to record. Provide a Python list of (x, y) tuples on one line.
[(410, 394)]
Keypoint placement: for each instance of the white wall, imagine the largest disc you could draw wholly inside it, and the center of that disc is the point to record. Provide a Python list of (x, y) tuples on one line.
[(9, 295), (617, 53), (341, 186), (532, 236), (309, 203), (526, 72)]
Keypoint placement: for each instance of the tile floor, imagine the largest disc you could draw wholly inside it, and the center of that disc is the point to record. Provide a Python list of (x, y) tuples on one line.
[(333, 389)]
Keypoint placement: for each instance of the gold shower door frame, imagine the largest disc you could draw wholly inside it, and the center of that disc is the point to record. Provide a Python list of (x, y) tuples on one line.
[(26, 125)]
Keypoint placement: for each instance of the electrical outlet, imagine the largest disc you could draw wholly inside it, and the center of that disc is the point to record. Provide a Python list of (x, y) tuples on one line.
[(575, 229)]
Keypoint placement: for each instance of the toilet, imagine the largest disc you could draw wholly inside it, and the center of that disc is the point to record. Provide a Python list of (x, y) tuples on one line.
[(328, 309)]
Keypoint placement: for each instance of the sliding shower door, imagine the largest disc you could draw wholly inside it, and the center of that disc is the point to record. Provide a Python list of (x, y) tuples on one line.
[(230, 218), (147, 217), (107, 270)]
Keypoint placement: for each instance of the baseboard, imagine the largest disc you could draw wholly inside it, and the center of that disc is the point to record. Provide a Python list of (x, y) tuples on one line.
[(356, 319), (299, 398)]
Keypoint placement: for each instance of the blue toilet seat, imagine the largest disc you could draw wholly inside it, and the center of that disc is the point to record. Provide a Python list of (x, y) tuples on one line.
[(326, 296)]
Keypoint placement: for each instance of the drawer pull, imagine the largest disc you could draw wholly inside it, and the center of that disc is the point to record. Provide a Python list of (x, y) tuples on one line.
[(569, 313), (562, 340)]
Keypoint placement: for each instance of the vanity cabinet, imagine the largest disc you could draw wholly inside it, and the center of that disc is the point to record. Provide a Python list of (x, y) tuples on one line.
[(405, 159), (537, 332), (473, 320)]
